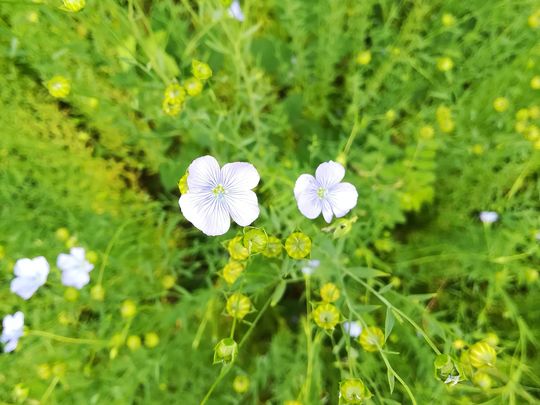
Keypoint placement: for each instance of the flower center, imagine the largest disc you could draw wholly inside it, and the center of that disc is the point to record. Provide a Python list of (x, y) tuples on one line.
[(321, 192), (219, 191)]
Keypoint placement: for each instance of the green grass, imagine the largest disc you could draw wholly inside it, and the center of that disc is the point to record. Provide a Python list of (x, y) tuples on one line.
[(286, 94)]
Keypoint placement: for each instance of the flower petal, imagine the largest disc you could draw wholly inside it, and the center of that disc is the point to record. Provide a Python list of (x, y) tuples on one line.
[(305, 183), (329, 174), (342, 197), (78, 253), (243, 206), (309, 204), (204, 173), (66, 262), (75, 278), (11, 345), (327, 211), (239, 176), (24, 287), (205, 212), (24, 268)]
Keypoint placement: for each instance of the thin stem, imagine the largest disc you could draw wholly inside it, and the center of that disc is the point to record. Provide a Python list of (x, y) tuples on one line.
[(224, 371), (396, 310), (65, 339), (50, 390)]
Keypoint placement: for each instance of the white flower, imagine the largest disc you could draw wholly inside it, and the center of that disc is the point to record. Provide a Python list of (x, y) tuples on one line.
[(452, 379), (310, 266), (235, 11), (215, 195), (75, 268), (488, 217), (353, 328), (325, 192), (30, 274), (12, 331)]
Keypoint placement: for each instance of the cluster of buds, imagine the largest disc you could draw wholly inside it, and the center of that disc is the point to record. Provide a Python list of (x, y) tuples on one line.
[(175, 94)]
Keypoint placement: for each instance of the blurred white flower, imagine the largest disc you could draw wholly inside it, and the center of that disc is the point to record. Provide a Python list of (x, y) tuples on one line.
[(12, 331), (30, 274), (353, 328), (75, 268), (215, 195), (488, 217), (452, 379), (235, 11), (310, 266), (325, 193)]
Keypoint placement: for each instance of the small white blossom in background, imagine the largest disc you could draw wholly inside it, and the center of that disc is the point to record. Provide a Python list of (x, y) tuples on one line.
[(216, 194), (452, 379), (488, 217), (30, 274), (353, 328), (325, 193), (75, 268), (235, 11), (310, 266), (12, 331)]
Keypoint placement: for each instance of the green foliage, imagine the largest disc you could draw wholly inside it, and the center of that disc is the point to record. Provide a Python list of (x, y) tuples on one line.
[(99, 168)]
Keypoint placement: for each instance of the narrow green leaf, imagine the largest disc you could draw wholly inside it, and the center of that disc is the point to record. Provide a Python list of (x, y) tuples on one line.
[(278, 293), (388, 323)]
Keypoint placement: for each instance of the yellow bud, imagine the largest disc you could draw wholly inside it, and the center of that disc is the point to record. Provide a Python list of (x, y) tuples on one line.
[(535, 83), (534, 112), (236, 249), (133, 342), (241, 384), (477, 149), (501, 104), (59, 370), (371, 339), (390, 115), (44, 371), (298, 245), (151, 340), (448, 20), (482, 380), (32, 17), (353, 391), (200, 70), (531, 275), (71, 294), (481, 354), (273, 247), (225, 351), (330, 292), (459, 344), (97, 292), (74, 6), (534, 20), (92, 256), (326, 316), (427, 132), (363, 58), (128, 309), (58, 86), (445, 64), (255, 240), (168, 281), (62, 234), (232, 271), (193, 86), (520, 126), (238, 305), (491, 339), (522, 114), (444, 118)]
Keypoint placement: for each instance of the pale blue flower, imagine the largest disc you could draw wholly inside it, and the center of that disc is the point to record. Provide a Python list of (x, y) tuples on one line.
[(488, 217), (325, 193), (75, 268), (12, 331), (353, 328), (30, 274), (215, 195), (235, 11)]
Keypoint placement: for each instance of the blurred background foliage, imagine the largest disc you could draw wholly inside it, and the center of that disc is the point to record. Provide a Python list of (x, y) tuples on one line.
[(402, 92)]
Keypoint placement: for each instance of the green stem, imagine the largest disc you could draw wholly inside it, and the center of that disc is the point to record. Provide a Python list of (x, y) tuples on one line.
[(224, 371), (65, 339)]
